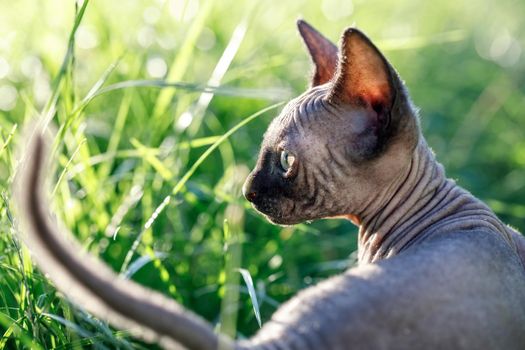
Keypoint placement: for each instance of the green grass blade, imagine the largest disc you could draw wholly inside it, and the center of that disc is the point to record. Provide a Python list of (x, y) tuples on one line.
[(253, 295), (22, 335), (182, 60), (197, 111), (271, 94), (8, 140), (50, 108), (66, 168), (152, 160)]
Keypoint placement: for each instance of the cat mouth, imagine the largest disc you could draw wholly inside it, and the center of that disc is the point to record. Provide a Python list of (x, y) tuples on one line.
[(276, 217)]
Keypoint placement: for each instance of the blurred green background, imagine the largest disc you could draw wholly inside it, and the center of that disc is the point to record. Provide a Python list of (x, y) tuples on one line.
[(123, 87)]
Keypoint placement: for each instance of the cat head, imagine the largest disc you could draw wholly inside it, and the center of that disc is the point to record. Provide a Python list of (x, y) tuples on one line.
[(333, 149)]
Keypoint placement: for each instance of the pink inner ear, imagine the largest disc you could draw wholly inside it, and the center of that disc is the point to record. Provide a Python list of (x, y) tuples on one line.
[(363, 75), (376, 95)]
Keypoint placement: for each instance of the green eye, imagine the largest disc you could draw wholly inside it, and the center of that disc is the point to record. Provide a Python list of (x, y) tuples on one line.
[(287, 160)]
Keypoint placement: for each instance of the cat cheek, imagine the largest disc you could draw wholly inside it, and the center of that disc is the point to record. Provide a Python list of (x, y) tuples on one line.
[(359, 122), (361, 148)]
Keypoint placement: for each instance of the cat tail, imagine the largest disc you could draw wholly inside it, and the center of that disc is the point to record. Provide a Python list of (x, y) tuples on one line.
[(86, 280)]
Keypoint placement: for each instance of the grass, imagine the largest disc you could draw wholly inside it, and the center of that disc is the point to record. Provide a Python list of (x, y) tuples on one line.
[(159, 109)]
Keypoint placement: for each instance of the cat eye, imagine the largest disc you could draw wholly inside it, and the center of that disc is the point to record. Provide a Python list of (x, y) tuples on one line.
[(287, 160)]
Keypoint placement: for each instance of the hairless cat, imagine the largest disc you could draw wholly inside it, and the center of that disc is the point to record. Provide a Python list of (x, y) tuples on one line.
[(437, 269)]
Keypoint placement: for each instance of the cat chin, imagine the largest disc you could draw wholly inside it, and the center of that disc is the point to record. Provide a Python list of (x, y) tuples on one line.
[(277, 219), (284, 222), (279, 222)]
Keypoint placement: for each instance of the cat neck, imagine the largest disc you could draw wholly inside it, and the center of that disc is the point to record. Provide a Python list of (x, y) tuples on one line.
[(420, 203)]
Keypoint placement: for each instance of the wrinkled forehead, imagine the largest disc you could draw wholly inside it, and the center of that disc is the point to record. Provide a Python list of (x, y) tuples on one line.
[(310, 119), (298, 120)]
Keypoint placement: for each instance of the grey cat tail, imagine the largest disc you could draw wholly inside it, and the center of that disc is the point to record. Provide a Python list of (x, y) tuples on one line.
[(147, 314)]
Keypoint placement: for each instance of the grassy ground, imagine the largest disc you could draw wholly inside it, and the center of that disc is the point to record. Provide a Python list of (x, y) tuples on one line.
[(140, 95)]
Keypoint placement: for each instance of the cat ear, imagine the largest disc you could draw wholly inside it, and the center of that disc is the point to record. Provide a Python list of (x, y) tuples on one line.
[(322, 51), (364, 76)]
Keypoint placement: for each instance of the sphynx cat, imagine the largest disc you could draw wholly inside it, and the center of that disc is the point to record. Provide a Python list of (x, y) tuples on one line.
[(437, 269)]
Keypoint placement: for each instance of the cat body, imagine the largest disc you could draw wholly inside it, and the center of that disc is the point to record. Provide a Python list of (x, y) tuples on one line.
[(445, 293), (437, 269)]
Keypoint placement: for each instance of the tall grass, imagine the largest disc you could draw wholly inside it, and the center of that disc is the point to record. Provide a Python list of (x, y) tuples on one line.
[(158, 110)]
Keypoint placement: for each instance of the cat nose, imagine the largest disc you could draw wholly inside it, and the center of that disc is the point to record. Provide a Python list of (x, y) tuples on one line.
[(247, 192), (250, 196)]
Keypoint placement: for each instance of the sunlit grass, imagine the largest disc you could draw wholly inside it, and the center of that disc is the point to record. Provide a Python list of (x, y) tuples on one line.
[(158, 110)]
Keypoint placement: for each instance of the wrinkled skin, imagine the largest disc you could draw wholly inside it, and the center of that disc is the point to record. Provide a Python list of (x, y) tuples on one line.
[(351, 138)]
